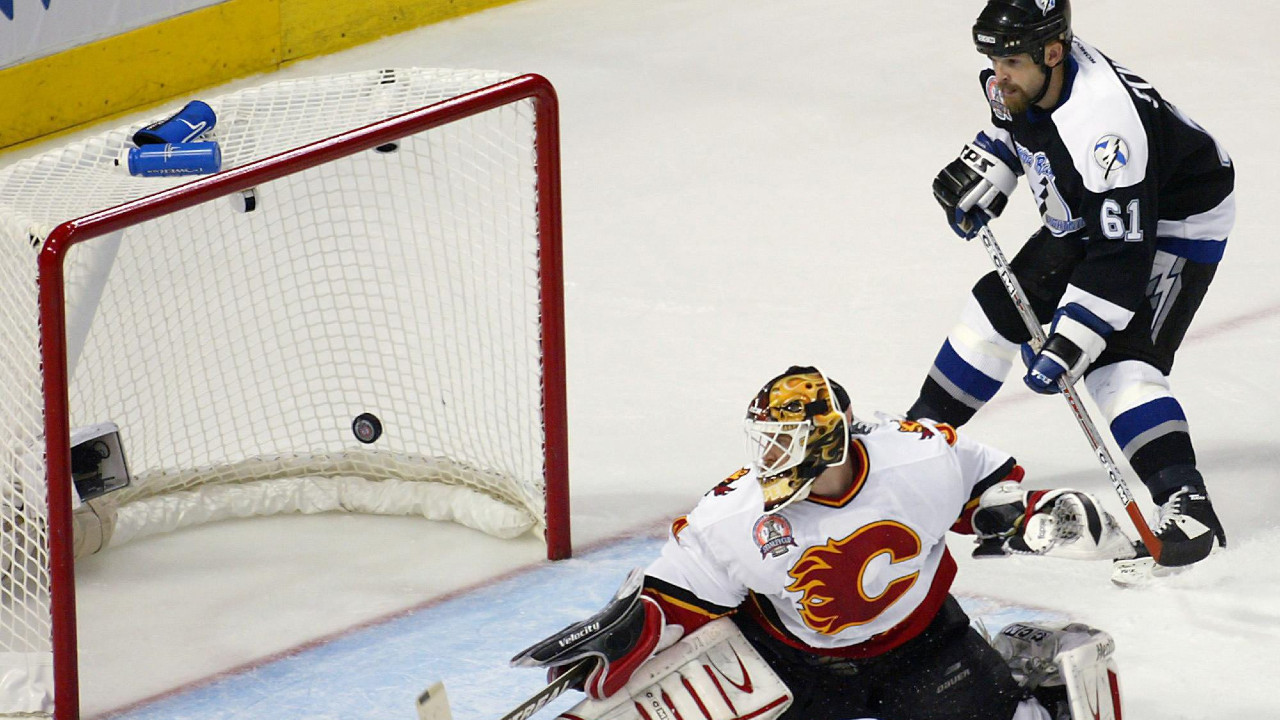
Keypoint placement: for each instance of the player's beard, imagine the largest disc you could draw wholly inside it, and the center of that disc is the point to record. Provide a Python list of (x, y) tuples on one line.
[(1018, 101)]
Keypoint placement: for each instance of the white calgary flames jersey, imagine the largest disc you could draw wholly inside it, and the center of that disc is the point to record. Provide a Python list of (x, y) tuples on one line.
[(852, 576)]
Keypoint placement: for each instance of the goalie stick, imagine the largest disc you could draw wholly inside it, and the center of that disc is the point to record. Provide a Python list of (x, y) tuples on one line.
[(433, 703), (1019, 298)]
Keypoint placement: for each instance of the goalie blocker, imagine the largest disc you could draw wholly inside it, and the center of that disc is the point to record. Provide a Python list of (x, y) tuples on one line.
[(615, 641), (643, 667)]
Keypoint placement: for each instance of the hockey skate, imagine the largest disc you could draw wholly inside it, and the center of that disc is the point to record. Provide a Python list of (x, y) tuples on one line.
[(1187, 527)]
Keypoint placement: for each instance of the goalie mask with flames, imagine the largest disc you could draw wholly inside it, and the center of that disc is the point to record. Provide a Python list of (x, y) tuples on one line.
[(797, 426)]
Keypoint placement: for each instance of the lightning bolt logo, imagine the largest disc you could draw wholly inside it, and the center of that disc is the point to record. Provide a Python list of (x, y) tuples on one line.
[(1163, 289), (1111, 153), (6, 7)]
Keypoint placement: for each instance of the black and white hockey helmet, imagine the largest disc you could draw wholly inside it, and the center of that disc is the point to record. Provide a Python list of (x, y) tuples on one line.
[(1013, 27)]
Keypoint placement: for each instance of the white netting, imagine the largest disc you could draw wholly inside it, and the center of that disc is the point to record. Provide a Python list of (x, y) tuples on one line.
[(235, 347)]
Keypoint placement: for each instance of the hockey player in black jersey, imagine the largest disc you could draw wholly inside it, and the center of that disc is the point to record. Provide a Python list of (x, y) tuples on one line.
[(1137, 202)]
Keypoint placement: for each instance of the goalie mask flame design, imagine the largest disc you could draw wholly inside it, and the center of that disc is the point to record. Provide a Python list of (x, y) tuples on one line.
[(797, 427)]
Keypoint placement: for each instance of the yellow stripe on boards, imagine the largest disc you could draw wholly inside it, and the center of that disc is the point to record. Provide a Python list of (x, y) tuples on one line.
[(137, 68), (315, 27), (181, 55)]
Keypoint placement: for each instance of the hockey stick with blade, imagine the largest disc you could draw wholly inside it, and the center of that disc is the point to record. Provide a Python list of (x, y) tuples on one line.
[(1020, 301), (433, 704)]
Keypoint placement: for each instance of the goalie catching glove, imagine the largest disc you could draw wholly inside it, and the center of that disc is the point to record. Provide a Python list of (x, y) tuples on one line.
[(1056, 523), (974, 187), (619, 639)]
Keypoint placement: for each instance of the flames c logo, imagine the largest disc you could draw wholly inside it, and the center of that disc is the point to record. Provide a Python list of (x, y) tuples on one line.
[(832, 577)]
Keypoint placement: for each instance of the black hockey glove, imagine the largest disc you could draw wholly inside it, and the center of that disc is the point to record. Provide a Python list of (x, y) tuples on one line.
[(974, 188), (619, 639)]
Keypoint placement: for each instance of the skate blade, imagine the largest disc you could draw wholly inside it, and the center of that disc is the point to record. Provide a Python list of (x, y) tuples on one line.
[(1143, 571), (1137, 572)]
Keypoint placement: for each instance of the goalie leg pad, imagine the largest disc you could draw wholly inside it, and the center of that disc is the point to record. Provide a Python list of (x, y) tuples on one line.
[(714, 673), (1031, 709), (1049, 659)]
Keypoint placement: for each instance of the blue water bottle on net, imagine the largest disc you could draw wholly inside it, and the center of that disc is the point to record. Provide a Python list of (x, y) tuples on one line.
[(184, 126), (198, 158)]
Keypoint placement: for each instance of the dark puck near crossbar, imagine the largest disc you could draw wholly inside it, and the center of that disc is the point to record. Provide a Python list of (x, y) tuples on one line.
[(367, 428)]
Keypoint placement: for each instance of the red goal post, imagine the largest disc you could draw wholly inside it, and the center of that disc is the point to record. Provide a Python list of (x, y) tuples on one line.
[(428, 241)]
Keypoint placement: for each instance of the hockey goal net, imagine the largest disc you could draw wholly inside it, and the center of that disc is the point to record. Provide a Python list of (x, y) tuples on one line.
[(361, 312)]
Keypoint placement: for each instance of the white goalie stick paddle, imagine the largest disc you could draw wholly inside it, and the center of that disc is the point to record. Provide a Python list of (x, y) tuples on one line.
[(1019, 297), (433, 703)]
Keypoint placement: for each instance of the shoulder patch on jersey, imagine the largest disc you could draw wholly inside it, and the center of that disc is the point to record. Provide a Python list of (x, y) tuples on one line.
[(773, 535), (725, 486), (678, 525), (859, 427), (996, 99), (911, 426), (948, 432), (1111, 153)]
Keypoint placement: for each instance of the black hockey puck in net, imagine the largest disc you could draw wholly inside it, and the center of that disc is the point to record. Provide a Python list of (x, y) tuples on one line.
[(367, 427)]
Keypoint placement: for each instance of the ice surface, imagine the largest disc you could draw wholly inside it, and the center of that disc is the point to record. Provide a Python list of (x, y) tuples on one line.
[(746, 186)]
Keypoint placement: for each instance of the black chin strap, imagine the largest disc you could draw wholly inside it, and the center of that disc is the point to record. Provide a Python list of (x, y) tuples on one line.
[(1044, 87)]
